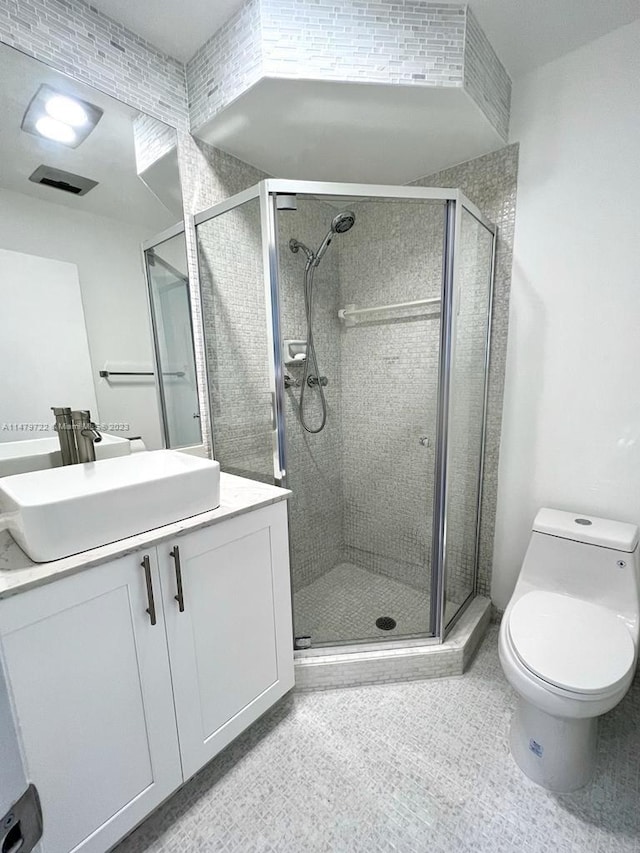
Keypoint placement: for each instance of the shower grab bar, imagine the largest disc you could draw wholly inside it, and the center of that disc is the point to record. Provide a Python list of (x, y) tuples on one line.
[(350, 311), (105, 374)]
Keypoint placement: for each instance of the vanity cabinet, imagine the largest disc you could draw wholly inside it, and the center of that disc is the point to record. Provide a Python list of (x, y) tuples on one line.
[(128, 677), (227, 606), (91, 689)]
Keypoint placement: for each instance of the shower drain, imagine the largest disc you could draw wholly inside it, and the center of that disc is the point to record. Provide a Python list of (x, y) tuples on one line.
[(386, 623)]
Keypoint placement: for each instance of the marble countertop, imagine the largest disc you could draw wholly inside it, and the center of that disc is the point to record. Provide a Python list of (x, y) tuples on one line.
[(237, 496)]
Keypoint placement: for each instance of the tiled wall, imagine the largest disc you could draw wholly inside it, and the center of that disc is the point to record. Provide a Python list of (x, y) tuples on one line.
[(375, 41), (491, 183), (226, 65), (152, 139), (389, 388), (237, 346), (209, 176), (313, 463), (485, 77), (378, 40)]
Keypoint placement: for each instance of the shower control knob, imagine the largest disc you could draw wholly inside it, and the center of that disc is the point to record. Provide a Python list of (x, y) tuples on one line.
[(317, 380), (424, 441)]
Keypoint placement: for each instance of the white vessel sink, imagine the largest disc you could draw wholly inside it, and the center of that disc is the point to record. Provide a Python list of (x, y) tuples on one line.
[(55, 513), (36, 454)]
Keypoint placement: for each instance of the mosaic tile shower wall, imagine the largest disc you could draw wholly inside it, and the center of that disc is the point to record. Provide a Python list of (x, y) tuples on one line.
[(233, 296), (313, 469), (390, 387), (234, 313), (491, 183)]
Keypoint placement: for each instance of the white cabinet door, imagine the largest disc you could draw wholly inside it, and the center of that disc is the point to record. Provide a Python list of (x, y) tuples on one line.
[(91, 689), (231, 648)]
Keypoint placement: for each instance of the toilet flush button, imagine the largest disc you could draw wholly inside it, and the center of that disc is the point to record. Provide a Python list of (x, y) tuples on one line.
[(583, 521)]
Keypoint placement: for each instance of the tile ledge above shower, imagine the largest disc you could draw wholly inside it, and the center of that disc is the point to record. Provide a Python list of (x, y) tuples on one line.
[(351, 669), (238, 495)]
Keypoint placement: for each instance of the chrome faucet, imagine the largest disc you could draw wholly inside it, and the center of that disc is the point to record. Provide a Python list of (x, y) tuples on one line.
[(86, 435)]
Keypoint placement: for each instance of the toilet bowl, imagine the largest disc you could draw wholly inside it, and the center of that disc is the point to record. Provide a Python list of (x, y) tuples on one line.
[(568, 642)]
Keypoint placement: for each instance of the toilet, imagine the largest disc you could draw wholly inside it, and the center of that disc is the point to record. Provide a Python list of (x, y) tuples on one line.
[(569, 642)]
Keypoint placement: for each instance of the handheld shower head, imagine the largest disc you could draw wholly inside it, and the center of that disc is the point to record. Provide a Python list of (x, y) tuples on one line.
[(340, 223), (343, 222)]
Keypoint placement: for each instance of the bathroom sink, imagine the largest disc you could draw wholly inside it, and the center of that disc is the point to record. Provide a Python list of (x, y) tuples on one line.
[(58, 512), (36, 454)]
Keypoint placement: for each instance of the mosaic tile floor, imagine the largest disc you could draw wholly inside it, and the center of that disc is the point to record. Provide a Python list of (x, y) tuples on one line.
[(345, 602), (419, 767)]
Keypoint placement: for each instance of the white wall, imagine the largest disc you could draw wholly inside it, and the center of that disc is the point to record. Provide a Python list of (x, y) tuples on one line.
[(108, 256), (571, 430), (43, 343)]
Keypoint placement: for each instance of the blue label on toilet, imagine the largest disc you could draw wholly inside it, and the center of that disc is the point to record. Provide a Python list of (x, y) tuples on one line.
[(536, 748)]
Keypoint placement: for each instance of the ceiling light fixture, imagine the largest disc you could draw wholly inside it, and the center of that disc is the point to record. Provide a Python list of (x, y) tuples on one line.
[(56, 130), (60, 117), (65, 109)]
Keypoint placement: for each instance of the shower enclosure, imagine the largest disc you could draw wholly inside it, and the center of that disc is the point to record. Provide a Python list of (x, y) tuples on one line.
[(347, 339), (165, 260)]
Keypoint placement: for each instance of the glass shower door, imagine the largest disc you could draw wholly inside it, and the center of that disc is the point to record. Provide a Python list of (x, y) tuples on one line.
[(385, 461), (471, 318), (362, 483), (238, 349), (168, 280)]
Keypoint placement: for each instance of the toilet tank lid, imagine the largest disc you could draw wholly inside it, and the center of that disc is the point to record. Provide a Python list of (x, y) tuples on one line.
[(616, 535)]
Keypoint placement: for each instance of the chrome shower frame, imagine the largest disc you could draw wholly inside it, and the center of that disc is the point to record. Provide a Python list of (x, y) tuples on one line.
[(454, 202)]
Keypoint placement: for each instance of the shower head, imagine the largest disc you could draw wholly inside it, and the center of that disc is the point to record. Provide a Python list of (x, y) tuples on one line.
[(340, 223), (343, 222)]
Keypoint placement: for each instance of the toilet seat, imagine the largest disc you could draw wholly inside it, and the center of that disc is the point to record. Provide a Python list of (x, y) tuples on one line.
[(570, 643)]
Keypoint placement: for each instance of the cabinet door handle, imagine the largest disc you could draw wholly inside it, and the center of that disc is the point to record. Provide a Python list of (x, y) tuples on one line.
[(151, 609), (175, 553)]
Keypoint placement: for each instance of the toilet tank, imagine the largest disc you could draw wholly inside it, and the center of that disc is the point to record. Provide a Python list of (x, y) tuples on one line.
[(591, 558)]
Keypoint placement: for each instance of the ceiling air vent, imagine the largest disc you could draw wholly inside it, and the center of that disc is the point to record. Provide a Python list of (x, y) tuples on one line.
[(59, 180)]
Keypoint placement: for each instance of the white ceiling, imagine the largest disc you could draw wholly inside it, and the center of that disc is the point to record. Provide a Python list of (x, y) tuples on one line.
[(106, 156), (524, 33), (529, 33), (178, 27)]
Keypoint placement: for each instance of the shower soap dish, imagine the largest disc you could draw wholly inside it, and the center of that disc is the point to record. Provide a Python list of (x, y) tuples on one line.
[(294, 352)]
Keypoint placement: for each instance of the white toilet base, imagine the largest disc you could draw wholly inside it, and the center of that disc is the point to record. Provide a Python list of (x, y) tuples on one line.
[(557, 753)]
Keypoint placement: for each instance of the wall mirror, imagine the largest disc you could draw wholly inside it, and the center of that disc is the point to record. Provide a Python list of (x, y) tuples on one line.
[(90, 203)]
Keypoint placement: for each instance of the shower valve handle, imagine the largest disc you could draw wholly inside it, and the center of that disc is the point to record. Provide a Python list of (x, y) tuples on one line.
[(317, 380), (290, 382)]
